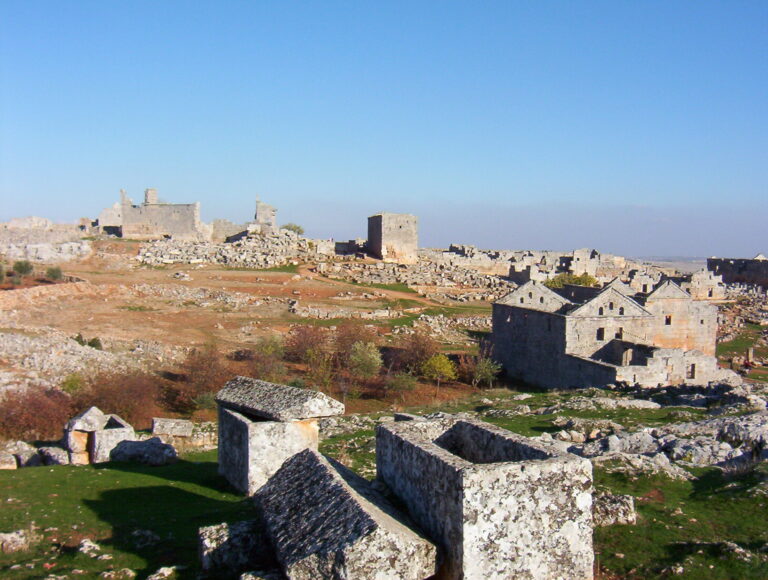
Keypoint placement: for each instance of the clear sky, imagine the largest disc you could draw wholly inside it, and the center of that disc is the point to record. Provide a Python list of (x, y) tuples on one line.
[(639, 128)]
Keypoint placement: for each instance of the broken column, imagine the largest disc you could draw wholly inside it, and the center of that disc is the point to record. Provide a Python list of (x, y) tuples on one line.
[(262, 424), (90, 436), (498, 504), (326, 522)]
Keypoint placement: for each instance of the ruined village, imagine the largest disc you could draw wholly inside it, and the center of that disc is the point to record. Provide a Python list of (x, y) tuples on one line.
[(181, 399)]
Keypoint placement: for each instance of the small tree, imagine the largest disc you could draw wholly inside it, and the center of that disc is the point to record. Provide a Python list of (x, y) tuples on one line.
[(347, 334), (416, 349), (301, 339), (320, 365), (486, 371), (266, 360), (53, 273), (364, 360), (400, 383), (23, 267), (295, 228), (439, 368)]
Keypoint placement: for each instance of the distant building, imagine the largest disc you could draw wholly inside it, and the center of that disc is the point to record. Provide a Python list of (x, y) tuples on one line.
[(152, 219), (581, 337), (394, 237), (741, 271)]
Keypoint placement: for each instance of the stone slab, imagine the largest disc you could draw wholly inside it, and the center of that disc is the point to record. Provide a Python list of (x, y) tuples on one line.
[(92, 419), (326, 522), (175, 427), (275, 402)]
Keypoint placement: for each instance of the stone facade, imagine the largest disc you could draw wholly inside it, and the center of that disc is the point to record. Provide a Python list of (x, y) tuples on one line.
[(578, 336), (153, 220), (741, 271), (262, 424), (394, 237), (264, 220), (499, 505)]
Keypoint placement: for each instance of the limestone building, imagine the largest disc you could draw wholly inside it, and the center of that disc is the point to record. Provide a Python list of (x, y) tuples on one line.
[(153, 219), (738, 270), (393, 237), (580, 337)]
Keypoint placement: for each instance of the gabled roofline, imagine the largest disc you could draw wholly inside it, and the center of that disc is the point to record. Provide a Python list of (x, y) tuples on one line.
[(611, 289)]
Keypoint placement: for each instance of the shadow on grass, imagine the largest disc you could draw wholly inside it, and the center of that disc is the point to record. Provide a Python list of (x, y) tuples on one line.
[(171, 514)]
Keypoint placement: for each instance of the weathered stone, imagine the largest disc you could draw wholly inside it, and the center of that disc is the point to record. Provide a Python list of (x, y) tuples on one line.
[(326, 522), (263, 575), (7, 461), (54, 456), (26, 455), (250, 452), (500, 505), (92, 419), (230, 548), (150, 452), (609, 509), (275, 402), (102, 442), (175, 427), (76, 441), (18, 541)]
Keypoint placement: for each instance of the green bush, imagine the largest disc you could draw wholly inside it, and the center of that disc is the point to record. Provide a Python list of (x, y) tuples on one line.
[(364, 360), (296, 228), (23, 267), (73, 384), (562, 279), (95, 342), (53, 273)]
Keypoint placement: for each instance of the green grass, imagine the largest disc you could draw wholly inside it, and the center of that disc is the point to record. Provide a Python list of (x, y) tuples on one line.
[(714, 509), (397, 287), (137, 308), (287, 268), (107, 503), (746, 339)]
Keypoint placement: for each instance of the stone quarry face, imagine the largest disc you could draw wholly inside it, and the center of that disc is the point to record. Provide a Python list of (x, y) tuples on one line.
[(273, 402), (498, 504), (326, 522)]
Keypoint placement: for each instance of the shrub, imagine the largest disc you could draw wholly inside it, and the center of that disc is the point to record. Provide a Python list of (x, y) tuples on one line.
[(320, 368), (295, 228), (95, 342), (36, 413), (266, 360), (135, 396), (2, 273), (79, 339), (23, 267), (439, 368), (53, 273), (486, 371), (305, 338), (72, 384), (347, 334), (364, 360), (205, 370), (415, 350), (565, 278), (400, 382)]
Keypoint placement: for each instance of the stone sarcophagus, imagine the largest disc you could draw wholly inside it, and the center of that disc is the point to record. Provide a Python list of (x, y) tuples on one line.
[(262, 424), (499, 505)]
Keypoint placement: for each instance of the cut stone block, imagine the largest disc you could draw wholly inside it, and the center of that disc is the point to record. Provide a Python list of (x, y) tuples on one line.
[(79, 458), (250, 452), (326, 522), (76, 441), (275, 402), (175, 427), (54, 455), (102, 442), (92, 419), (499, 505), (229, 548), (7, 461)]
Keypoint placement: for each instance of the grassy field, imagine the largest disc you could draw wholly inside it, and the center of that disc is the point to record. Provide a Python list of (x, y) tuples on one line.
[(680, 523)]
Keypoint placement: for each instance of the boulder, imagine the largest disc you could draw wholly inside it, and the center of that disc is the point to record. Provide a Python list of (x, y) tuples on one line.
[(609, 509), (230, 548), (326, 522), (150, 452), (92, 419), (18, 541), (7, 461), (26, 455), (275, 402), (54, 455)]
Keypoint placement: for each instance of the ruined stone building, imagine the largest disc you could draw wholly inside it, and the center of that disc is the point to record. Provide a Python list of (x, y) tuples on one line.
[(541, 266), (394, 237), (741, 271), (153, 219), (580, 337)]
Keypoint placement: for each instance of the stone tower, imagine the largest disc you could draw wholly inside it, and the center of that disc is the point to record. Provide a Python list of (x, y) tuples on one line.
[(394, 237)]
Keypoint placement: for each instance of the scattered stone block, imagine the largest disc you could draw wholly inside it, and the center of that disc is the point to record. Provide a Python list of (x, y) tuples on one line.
[(174, 427), (150, 452), (500, 505), (326, 522), (92, 419), (54, 455), (7, 461), (103, 441), (18, 541), (250, 452), (230, 548), (90, 436), (609, 509), (273, 402)]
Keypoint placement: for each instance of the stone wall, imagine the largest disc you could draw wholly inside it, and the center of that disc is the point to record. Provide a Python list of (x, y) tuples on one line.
[(736, 270), (394, 237)]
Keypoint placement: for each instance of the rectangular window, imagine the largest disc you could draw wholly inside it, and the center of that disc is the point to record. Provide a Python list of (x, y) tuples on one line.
[(691, 374), (619, 333), (668, 320), (600, 334)]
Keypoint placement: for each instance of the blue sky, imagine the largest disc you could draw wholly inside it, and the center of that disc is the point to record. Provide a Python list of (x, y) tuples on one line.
[(639, 128)]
